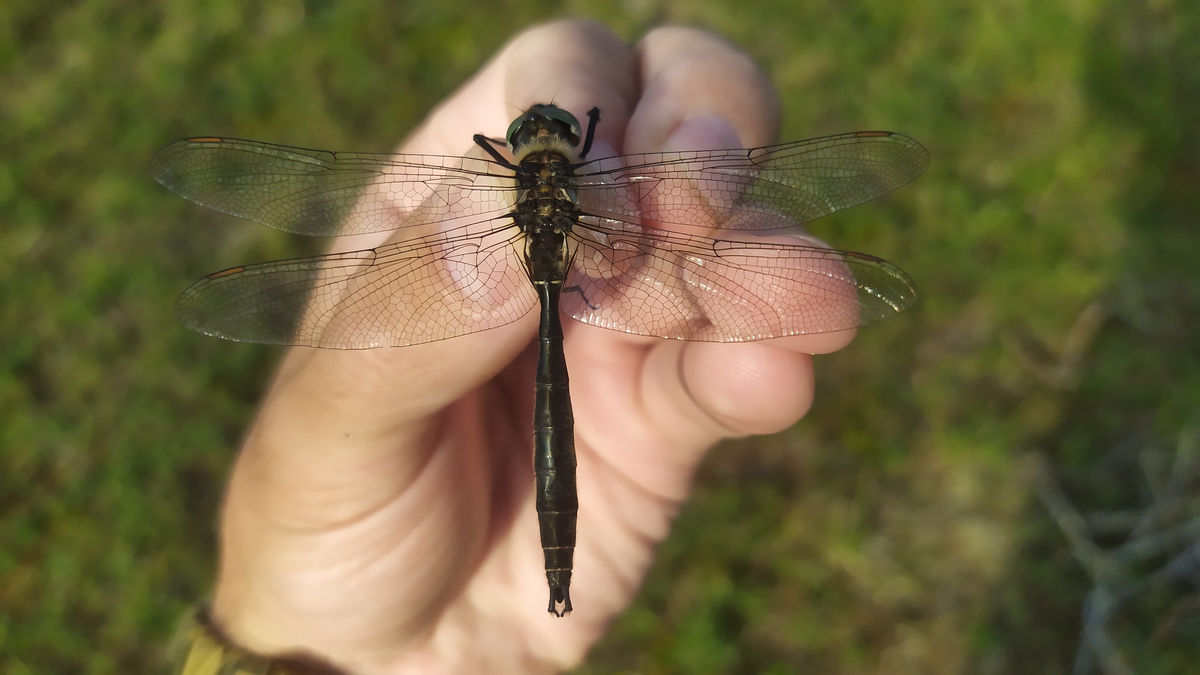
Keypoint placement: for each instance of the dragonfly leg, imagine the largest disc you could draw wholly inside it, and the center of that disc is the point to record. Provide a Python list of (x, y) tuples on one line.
[(593, 119), (486, 143), (579, 290)]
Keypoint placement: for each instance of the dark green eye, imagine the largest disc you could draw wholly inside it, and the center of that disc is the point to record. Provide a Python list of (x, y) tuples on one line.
[(545, 112), (512, 129), (560, 115)]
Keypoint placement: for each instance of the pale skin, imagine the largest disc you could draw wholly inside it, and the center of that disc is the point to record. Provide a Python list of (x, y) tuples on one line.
[(381, 515)]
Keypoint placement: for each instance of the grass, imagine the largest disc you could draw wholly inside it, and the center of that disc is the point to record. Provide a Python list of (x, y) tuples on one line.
[(895, 530)]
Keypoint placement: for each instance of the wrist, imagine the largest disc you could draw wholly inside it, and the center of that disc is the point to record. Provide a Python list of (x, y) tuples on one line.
[(201, 647)]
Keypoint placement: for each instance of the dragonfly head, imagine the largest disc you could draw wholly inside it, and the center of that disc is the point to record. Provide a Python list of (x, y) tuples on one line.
[(543, 125)]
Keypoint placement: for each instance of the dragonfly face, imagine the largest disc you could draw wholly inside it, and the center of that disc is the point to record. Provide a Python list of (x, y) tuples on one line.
[(542, 122), (660, 244)]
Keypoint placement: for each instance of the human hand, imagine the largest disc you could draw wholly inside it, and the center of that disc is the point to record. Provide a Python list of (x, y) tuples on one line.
[(381, 513)]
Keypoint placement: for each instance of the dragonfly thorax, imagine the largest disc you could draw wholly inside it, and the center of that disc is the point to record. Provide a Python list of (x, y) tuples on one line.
[(545, 213), (547, 254)]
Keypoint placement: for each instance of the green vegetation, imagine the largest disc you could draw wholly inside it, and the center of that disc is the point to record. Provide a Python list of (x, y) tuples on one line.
[(895, 530)]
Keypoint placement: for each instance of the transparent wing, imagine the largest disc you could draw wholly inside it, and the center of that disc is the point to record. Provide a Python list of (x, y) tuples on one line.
[(757, 189), (669, 284), (419, 290), (320, 193)]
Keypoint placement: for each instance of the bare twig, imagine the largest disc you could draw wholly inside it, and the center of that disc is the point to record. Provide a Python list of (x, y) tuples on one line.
[(1100, 605), (1170, 523), (1069, 521)]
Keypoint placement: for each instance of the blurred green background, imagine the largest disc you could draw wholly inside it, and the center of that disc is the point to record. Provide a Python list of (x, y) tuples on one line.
[(894, 530)]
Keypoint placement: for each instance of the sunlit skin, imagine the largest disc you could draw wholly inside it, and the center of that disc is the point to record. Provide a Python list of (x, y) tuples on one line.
[(381, 513)]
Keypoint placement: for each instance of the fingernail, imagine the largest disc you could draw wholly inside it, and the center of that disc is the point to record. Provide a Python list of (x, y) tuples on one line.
[(702, 132)]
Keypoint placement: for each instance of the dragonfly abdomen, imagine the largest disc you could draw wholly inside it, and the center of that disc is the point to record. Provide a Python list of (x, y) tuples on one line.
[(554, 452)]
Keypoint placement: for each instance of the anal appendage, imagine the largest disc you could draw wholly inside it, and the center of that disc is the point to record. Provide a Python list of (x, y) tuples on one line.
[(560, 595)]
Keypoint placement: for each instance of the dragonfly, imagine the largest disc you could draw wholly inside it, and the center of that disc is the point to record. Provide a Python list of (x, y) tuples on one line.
[(695, 245)]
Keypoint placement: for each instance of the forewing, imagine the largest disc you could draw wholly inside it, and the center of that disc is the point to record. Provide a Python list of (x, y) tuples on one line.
[(762, 189), (419, 290), (320, 193), (669, 284)]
